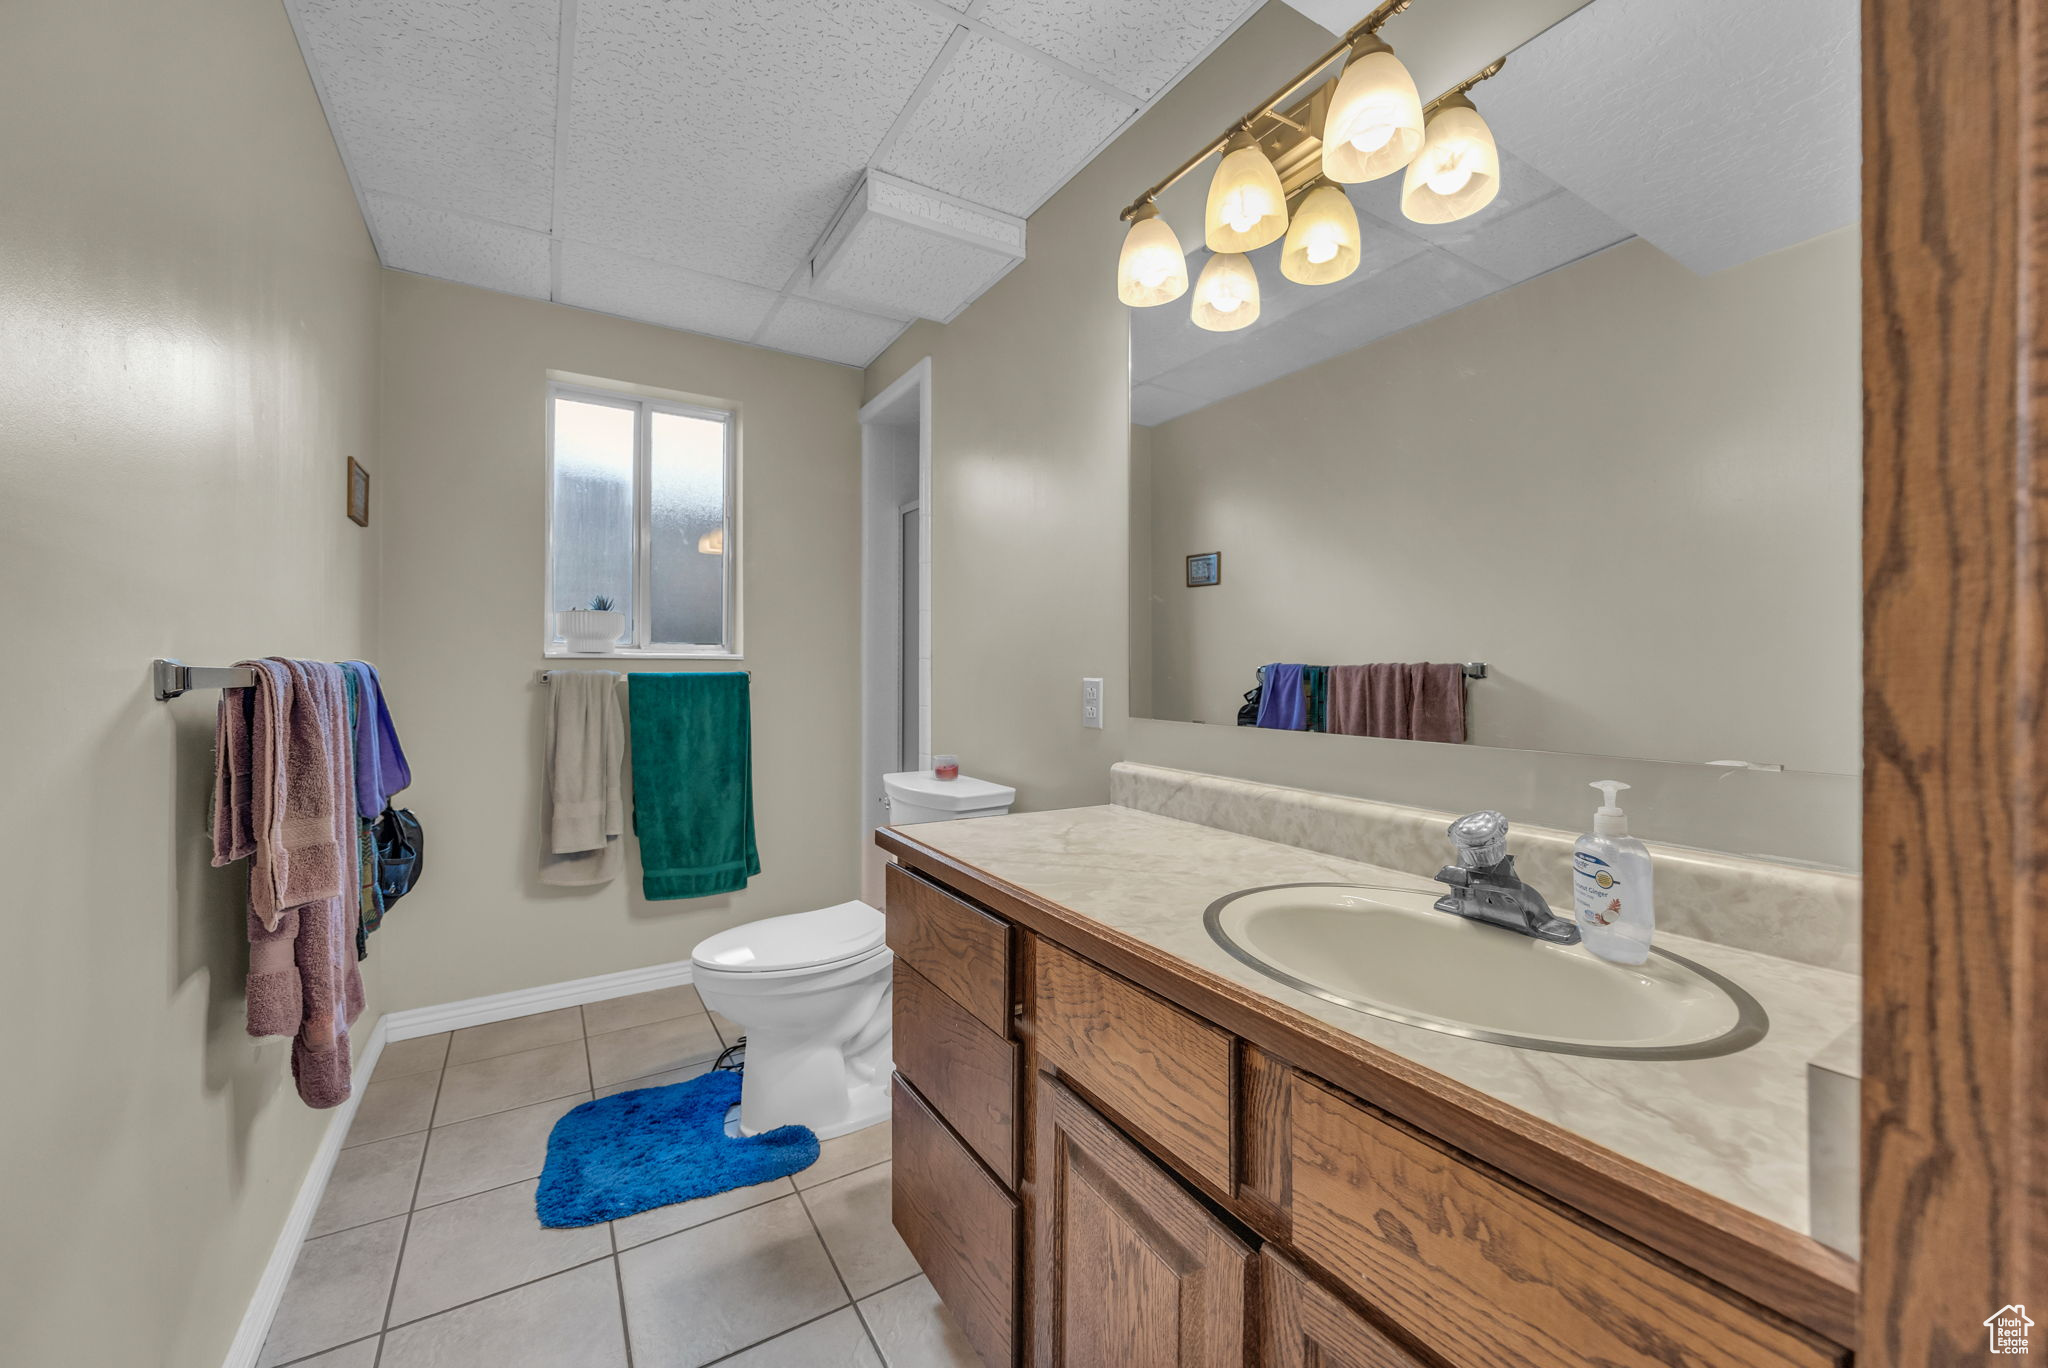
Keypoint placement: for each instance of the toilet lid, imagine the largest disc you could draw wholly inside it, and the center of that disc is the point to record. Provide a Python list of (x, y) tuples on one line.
[(798, 941)]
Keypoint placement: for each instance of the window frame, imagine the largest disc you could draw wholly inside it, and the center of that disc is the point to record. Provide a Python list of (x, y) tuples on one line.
[(643, 404)]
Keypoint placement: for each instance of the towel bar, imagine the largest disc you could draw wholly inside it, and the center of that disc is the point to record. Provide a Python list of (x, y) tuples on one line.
[(173, 677), (1475, 669), (541, 676)]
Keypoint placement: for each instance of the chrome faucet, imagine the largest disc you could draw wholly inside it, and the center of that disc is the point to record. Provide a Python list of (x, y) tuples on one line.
[(1485, 888)]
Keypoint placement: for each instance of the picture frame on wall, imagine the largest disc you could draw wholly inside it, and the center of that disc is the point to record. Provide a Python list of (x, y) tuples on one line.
[(1205, 569), (358, 494)]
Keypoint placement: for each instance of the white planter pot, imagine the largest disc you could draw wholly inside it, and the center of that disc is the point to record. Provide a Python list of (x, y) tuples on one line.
[(590, 631)]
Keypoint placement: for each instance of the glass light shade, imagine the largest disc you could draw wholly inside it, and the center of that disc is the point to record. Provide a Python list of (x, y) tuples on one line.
[(1322, 242), (1152, 269), (1227, 293), (1247, 207), (1457, 172), (1374, 125)]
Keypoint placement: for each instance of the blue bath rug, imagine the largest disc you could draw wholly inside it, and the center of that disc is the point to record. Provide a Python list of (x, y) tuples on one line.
[(637, 1150)]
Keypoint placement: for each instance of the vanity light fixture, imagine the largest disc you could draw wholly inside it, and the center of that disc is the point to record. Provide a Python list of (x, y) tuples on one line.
[(1322, 242), (1247, 206), (1374, 127), (1152, 269), (1227, 293), (1361, 125), (1457, 172)]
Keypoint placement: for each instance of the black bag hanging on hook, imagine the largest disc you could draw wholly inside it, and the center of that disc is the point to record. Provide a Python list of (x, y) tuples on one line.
[(399, 847)]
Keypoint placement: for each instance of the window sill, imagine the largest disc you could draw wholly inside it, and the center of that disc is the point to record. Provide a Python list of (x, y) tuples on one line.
[(628, 653)]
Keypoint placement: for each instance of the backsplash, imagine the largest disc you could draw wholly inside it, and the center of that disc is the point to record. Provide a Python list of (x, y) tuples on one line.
[(1813, 916)]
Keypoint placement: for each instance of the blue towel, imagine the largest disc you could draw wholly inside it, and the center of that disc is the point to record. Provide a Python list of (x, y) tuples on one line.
[(1284, 704), (637, 1150)]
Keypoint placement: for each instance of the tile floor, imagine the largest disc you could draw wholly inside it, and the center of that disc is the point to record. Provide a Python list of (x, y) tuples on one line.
[(425, 1252)]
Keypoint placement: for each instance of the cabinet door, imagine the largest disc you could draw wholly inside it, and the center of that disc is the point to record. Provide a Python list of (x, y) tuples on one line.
[(1132, 1270), (1308, 1327)]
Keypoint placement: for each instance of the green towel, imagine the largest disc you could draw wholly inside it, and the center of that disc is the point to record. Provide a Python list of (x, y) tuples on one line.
[(693, 783)]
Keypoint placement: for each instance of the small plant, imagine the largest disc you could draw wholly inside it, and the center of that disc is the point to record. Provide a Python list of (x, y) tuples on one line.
[(602, 603)]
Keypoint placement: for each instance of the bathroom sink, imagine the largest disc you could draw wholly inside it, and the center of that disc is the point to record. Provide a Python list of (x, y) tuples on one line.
[(1389, 952)]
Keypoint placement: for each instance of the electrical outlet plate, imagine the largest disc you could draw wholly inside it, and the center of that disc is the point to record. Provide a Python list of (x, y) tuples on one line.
[(1091, 703)]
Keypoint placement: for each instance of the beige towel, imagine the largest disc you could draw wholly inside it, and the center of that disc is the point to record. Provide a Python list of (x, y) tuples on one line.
[(583, 811)]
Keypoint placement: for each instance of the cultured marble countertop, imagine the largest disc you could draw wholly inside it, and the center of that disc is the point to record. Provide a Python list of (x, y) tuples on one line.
[(1733, 1126)]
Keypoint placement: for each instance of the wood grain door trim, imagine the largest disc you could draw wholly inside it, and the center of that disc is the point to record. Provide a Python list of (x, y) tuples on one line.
[(1955, 657), (1302, 1324)]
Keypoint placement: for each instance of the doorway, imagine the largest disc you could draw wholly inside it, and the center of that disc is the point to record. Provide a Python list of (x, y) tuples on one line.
[(895, 600)]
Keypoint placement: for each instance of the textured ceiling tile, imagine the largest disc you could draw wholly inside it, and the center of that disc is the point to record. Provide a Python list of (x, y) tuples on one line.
[(448, 102), (615, 283), (1135, 45), (452, 247), (1423, 287), (1002, 129), (725, 136), (897, 266), (1719, 132), (1152, 405), (1539, 237), (829, 332)]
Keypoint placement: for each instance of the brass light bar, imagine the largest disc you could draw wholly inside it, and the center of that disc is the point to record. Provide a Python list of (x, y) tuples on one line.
[(1307, 116)]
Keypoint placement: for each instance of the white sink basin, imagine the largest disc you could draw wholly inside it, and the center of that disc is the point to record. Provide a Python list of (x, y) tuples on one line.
[(1388, 951)]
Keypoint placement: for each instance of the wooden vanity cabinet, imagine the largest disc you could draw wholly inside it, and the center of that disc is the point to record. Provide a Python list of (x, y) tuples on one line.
[(1132, 1271), (1095, 1176)]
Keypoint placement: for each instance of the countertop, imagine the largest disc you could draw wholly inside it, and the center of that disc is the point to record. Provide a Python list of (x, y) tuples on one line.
[(1734, 1127)]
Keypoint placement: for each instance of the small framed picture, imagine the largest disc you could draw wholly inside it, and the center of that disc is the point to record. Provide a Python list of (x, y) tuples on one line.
[(1205, 569), (358, 494)]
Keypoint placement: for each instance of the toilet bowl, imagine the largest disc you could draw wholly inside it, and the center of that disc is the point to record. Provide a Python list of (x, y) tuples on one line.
[(811, 992)]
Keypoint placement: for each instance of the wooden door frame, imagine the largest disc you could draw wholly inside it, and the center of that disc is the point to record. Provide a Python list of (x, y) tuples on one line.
[(1955, 236)]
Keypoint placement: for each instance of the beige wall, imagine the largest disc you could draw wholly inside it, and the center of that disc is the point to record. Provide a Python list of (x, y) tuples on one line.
[(1633, 490), (1031, 423), (464, 378), (187, 325), (1031, 539)]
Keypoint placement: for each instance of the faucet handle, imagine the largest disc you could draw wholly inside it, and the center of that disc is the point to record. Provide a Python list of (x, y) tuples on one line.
[(1481, 838)]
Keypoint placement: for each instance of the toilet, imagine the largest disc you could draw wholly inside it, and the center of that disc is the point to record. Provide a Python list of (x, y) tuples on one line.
[(812, 990)]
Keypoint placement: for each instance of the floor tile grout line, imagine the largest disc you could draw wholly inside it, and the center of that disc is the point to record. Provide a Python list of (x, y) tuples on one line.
[(416, 1320), (833, 1260), (619, 1282), (345, 1344), (800, 1325)]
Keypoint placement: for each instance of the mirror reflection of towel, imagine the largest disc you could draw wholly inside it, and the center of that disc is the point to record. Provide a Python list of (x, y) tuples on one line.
[(1283, 705), (1420, 702)]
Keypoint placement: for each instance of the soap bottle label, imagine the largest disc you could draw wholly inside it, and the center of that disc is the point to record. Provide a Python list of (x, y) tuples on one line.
[(1596, 889)]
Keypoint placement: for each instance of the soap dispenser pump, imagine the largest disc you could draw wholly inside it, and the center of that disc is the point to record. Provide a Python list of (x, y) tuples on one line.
[(1611, 886)]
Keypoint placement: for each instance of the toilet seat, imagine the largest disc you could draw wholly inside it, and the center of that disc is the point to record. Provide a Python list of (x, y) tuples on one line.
[(802, 942)]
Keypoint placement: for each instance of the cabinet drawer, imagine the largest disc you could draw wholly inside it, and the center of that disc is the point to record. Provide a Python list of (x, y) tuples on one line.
[(962, 950), (1306, 1326), (966, 1072), (1165, 1073), (1485, 1273), (960, 1226)]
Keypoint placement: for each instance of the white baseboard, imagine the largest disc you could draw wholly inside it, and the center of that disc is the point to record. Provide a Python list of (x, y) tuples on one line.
[(482, 1011), (407, 1025), (263, 1304)]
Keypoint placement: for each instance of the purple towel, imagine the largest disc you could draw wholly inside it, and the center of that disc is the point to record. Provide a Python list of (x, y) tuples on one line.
[(381, 770), (1283, 703)]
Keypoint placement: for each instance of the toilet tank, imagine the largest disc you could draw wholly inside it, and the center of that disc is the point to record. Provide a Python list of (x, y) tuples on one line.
[(920, 796)]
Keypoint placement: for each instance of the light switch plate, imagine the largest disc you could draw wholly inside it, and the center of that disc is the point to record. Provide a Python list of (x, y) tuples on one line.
[(1091, 703)]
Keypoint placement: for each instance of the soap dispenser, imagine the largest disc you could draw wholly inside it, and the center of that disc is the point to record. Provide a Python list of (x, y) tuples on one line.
[(1611, 892)]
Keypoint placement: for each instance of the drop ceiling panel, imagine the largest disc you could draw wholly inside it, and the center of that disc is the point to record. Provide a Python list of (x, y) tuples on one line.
[(1138, 46), (616, 283), (724, 136), (1719, 132), (829, 332), (469, 251), (897, 264), (1554, 231), (448, 103), (1011, 152)]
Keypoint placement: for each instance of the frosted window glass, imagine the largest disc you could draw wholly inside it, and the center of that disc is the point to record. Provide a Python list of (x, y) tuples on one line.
[(687, 526), (593, 507)]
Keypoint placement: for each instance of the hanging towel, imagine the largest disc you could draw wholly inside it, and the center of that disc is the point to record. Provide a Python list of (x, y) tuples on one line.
[(1283, 705), (1404, 702), (1315, 688), (693, 783), (582, 812), (285, 799), (381, 768)]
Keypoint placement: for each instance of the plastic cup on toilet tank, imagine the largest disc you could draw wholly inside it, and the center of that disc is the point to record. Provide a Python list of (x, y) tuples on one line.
[(945, 767)]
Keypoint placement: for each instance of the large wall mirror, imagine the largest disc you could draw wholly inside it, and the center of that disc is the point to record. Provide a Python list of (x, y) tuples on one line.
[(1601, 436)]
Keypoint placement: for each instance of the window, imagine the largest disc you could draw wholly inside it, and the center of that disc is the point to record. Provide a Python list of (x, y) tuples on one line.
[(641, 513)]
